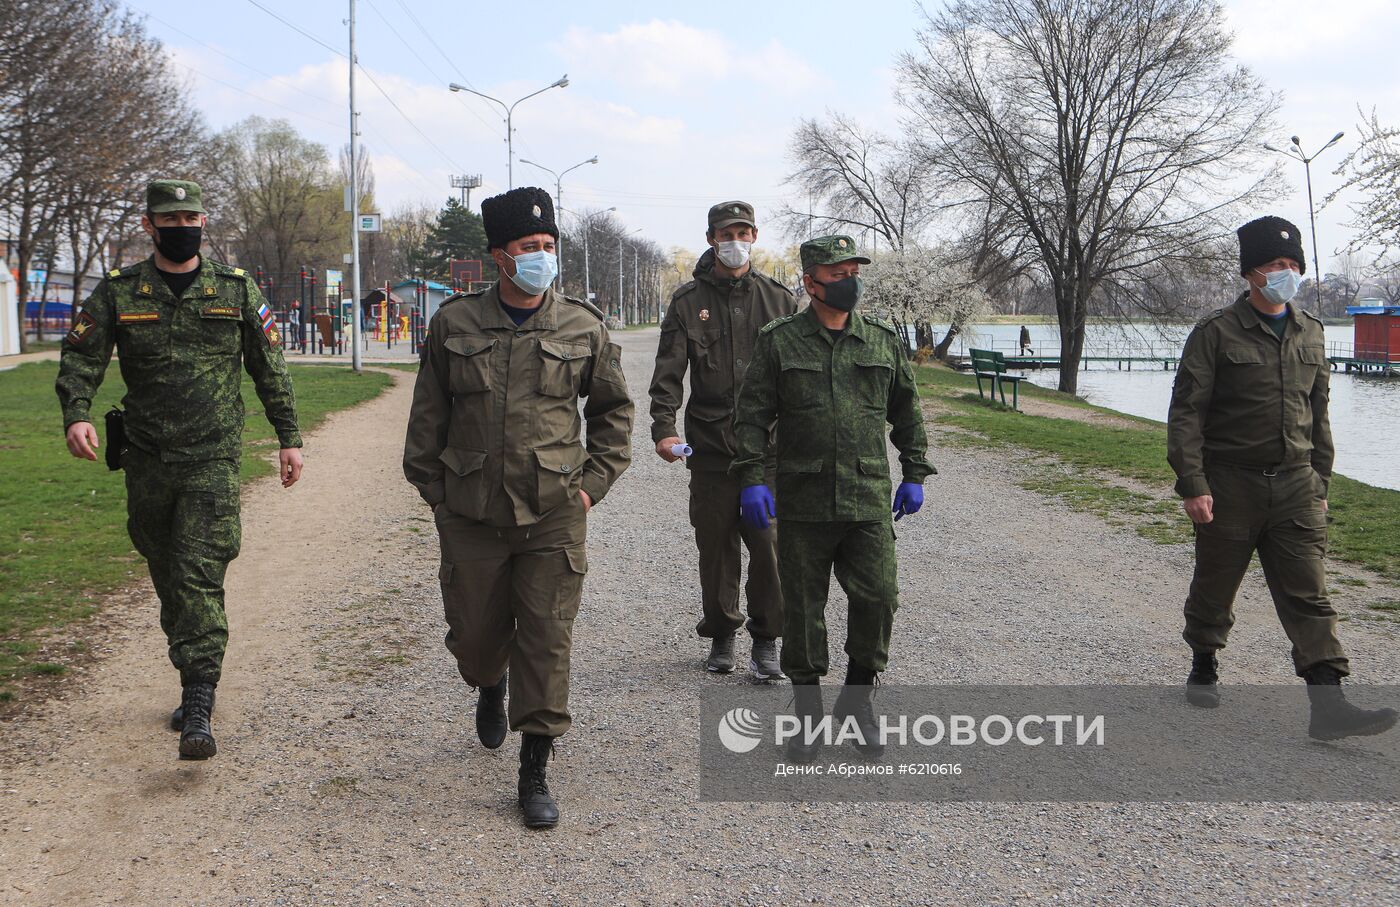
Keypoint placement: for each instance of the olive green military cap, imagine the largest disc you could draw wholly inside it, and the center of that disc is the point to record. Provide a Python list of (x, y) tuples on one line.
[(164, 196), (830, 250), (726, 213)]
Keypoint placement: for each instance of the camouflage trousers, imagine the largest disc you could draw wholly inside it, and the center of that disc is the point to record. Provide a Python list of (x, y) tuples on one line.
[(862, 555), (183, 519), (510, 595), (714, 512), (1281, 518)]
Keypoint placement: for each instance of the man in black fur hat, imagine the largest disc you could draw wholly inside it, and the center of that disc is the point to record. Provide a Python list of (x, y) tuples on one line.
[(496, 447), (1249, 440)]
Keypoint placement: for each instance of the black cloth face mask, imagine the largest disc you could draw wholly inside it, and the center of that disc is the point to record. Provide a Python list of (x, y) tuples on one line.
[(843, 294), (179, 244)]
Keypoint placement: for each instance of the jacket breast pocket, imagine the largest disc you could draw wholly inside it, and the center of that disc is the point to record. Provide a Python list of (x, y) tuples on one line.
[(561, 367), (873, 378), (141, 330), (802, 384), (469, 363), (1244, 358), (220, 330), (705, 351), (1310, 361)]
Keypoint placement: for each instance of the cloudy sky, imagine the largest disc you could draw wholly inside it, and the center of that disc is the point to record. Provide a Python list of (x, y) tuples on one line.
[(684, 104)]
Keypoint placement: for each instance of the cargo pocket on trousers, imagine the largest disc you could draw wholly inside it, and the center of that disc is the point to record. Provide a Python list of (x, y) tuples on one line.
[(570, 587), (1303, 537), (212, 527)]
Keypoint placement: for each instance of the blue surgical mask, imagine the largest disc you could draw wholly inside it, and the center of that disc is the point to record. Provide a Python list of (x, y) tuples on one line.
[(1281, 286), (535, 271)]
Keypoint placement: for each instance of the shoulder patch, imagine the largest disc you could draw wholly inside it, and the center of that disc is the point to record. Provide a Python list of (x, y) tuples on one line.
[(881, 323), (1212, 316), (775, 324), (683, 289), (128, 271), (590, 307), (1304, 311), (115, 272)]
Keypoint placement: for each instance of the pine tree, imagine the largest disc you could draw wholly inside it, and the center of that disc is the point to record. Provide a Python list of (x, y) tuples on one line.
[(458, 233)]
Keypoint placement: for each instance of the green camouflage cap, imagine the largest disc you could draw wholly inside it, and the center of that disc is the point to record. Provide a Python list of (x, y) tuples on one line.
[(164, 196), (830, 250), (726, 213)]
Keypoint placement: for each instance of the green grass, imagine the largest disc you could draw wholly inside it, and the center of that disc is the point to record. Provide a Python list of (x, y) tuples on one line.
[(63, 541), (1365, 520)]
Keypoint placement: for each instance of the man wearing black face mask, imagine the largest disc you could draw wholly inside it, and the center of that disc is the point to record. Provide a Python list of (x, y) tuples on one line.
[(184, 327), (831, 379)]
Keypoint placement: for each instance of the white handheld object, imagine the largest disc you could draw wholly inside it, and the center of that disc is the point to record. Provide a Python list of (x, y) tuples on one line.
[(682, 450)]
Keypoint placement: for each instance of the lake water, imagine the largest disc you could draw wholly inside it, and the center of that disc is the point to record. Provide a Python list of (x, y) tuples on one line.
[(1365, 411)]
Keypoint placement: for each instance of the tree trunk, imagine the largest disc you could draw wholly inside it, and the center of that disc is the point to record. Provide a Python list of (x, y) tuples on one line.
[(941, 351), (1071, 307)]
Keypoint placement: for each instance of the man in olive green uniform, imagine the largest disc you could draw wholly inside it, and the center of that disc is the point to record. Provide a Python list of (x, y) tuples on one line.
[(1249, 439), (832, 379), (496, 447), (184, 328), (709, 329)]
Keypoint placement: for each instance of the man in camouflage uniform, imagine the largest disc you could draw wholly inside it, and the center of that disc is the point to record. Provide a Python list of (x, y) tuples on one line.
[(709, 329), (183, 327), (1249, 439), (832, 379), (495, 446)]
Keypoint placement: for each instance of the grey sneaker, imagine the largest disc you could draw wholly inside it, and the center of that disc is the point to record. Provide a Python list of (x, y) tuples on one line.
[(763, 662), (721, 660)]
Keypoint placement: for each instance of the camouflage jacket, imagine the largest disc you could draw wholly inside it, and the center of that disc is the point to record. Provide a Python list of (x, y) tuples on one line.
[(710, 329), (832, 399), (495, 430), (181, 359), (1245, 397)]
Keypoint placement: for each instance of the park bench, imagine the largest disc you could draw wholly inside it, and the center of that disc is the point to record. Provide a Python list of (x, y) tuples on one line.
[(992, 366)]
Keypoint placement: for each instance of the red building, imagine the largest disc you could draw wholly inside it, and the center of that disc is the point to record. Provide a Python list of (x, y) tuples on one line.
[(1377, 336)]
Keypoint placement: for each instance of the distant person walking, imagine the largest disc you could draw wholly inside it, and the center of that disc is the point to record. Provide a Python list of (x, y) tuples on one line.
[(1026, 341)]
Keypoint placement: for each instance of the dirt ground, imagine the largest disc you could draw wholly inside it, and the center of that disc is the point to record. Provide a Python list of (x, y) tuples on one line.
[(349, 772)]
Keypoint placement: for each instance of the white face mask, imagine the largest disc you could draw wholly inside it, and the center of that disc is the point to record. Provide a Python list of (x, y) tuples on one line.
[(733, 254), (1280, 286)]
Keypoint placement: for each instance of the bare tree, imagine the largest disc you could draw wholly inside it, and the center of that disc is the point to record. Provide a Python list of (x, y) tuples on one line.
[(1108, 136), (1373, 169), (855, 179), (919, 287)]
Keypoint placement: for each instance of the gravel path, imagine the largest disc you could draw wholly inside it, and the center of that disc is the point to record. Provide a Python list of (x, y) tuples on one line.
[(349, 771)]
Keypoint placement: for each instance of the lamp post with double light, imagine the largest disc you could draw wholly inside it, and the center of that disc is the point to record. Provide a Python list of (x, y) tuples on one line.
[(1296, 151), (559, 197), (561, 82)]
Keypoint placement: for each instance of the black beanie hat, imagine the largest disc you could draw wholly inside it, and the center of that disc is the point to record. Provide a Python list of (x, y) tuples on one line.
[(1263, 240), (519, 212)]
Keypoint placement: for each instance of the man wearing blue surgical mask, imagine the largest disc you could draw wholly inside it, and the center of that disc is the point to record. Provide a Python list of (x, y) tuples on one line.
[(1249, 440), (496, 447)]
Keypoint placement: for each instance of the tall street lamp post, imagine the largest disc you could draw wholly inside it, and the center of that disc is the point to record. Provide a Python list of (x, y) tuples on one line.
[(1296, 151), (561, 82), (559, 197), (587, 225), (622, 309)]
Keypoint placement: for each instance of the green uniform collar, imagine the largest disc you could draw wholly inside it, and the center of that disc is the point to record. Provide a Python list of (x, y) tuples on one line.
[(151, 285), (546, 317), (1249, 316), (810, 325)]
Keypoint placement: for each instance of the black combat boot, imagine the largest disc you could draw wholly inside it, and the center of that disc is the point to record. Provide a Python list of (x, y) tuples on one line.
[(1333, 717), (721, 660), (807, 706), (177, 717), (196, 737), (491, 714), (856, 700), (535, 802), (1202, 688)]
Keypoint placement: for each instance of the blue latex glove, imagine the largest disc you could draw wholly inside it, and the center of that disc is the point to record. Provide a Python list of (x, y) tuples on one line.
[(756, 506), (907, 499)]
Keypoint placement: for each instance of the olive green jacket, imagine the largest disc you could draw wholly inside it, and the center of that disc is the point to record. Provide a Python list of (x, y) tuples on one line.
[(181, 360), (710, 328), (1245, 397), (831, 400), (495, 430)]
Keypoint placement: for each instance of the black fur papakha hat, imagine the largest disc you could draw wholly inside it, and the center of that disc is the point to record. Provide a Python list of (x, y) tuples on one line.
[(1263, 240), (519, 212)]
